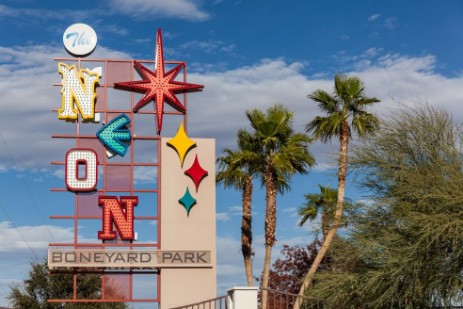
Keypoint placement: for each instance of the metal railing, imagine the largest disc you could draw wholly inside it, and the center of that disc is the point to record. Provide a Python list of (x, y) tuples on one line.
[(214, 303), (283, 300), (275, 300)]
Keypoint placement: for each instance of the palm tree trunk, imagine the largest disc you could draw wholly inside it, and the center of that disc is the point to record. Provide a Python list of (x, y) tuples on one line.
[(342, 172), (270, 226), (246, 230), (325, 224)]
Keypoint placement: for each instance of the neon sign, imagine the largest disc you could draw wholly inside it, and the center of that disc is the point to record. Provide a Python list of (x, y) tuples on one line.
[(120, 213), (81, 165), (108, 189), (78, 92), (88, 179), (113, 134), (79, 39), (159, 86)]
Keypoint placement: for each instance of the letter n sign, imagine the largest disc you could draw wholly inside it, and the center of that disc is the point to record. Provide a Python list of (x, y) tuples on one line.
[(113, 212), (78, 92)]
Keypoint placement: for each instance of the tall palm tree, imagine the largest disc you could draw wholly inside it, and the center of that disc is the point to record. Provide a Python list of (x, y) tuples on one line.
[(345, 113), (237, 169), (324, 202), (282, 153)]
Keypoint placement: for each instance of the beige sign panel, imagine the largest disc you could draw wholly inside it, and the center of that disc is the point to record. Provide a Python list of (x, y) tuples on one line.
[(191, 225), (126, 259)]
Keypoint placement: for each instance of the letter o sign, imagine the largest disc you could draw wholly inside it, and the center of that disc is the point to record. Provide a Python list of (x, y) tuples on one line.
[(81, 170)]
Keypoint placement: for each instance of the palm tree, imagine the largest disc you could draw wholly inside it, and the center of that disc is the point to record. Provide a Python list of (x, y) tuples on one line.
[(324, 202), (237, 170), (282, 153), (345, 113)]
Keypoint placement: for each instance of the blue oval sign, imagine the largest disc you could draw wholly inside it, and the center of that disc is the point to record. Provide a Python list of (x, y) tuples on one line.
[(79, 40)]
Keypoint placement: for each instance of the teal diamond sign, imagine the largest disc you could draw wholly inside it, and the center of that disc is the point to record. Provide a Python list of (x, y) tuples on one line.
[(187, 201)]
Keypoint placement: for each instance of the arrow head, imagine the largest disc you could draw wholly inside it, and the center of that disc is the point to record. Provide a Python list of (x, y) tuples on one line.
[(113, 134)]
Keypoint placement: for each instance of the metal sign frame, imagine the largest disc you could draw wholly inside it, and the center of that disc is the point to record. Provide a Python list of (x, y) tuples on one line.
[(84, 211)]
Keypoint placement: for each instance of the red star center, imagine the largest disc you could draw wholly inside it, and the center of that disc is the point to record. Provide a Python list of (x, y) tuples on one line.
[(159, 86)]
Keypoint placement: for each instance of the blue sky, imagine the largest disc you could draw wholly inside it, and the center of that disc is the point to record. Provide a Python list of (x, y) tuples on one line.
[(248, 54)]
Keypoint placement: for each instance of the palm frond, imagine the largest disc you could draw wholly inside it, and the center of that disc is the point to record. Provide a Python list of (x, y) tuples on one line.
[(325, 101), (346, 105), (364, 124)]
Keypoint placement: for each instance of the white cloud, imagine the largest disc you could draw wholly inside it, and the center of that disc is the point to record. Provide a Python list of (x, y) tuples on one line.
[(230, 270), (236, 210), (374, 17), (208, 47), (391, 23), (27, 73), (6, 11), (145, 175), (389, 77), (115, 29), (222, 217), (25, 13), (183, 9), (296, 241), (32, 240), (230, 267), (21, 245), (290, 210), (372, 52)]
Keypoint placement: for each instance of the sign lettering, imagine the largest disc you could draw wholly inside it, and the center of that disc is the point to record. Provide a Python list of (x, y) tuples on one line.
[(87, 258), (120, 213), (88, 160), (78, 92), (79, 40)]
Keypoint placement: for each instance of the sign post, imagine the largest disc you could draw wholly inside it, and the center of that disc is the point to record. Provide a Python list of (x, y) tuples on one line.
[(188, 227)]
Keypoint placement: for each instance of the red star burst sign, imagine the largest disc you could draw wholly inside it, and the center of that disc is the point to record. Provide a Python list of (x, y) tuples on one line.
[(159, 86)]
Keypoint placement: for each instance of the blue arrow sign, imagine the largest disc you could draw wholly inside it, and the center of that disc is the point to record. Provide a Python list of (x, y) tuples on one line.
[(113, 134)]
